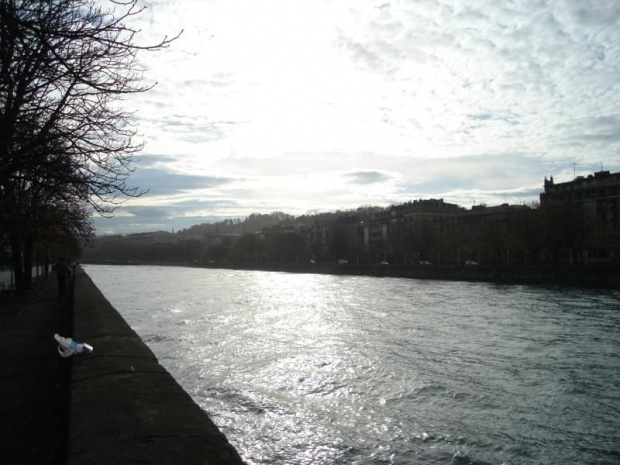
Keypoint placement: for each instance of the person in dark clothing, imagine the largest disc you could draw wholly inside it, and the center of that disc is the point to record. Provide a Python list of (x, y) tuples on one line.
[(62, 273)]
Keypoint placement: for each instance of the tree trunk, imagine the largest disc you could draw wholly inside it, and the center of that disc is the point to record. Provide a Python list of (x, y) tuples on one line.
[(28, 263), (18, 266), (46, 262)]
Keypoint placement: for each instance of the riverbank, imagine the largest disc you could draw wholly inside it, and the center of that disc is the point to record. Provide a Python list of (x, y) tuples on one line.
[(603, 276), (125, 407), (591, 276), (117, 405)]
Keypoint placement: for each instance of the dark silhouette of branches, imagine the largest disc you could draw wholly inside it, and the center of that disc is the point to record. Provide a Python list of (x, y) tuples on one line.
[(65, 68)]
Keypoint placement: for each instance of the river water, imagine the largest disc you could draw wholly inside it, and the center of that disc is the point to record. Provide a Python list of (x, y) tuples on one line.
[(320, 369)]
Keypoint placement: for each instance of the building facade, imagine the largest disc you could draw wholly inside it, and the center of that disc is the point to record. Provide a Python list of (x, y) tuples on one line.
[(598, 195)]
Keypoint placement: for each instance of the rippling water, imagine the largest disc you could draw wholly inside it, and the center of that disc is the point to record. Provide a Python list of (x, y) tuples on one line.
[(318, 369)]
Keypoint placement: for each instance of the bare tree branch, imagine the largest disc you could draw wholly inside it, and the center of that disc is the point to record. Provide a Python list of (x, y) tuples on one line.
[(65, 141)]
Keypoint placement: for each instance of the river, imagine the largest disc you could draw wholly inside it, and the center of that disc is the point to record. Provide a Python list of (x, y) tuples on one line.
[(322, 369)]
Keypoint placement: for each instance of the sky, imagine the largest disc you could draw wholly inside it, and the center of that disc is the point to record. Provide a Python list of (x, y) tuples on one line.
[(321, 105)]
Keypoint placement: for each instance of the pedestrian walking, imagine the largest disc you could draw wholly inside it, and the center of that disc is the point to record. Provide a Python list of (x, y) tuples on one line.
[(62, 274)]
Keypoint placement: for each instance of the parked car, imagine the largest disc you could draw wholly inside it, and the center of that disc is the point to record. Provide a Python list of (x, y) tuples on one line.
[(425, 262), (384, 262), (471, 263), (342, 261)]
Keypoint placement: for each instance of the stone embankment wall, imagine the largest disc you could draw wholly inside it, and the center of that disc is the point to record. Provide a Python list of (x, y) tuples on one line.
[(581, 276), (602, 276), (125, 407), (605, 276)]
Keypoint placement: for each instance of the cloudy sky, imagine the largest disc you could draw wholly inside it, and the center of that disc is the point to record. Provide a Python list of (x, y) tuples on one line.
[(301, 105)]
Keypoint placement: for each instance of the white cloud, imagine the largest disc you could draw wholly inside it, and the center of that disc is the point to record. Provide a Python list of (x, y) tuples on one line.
[(441, 98)]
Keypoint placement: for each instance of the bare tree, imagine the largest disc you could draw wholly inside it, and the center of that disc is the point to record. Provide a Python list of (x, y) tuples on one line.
[(65, 68)]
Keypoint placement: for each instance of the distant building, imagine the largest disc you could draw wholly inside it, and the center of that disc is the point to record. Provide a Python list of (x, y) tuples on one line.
[(481, 219), (214, 239), (422, 214), (599, 194)]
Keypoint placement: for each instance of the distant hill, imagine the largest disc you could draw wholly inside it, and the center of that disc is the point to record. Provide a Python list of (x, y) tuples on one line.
[(260, 221), (253, 223)]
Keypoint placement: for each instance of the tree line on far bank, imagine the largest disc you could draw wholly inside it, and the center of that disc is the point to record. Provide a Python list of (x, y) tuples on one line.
[(553, 233)]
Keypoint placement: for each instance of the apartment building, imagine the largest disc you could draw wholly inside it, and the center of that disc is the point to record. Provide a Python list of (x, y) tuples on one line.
[(599, 195)]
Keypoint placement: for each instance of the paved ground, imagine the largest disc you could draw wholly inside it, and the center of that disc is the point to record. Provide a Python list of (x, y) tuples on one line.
[(34, 379)]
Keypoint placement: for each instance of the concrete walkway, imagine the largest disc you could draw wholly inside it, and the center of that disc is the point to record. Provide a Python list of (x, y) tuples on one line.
[(34, 379)]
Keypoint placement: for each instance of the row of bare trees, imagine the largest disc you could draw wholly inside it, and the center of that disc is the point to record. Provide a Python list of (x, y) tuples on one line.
[(66, 145)]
